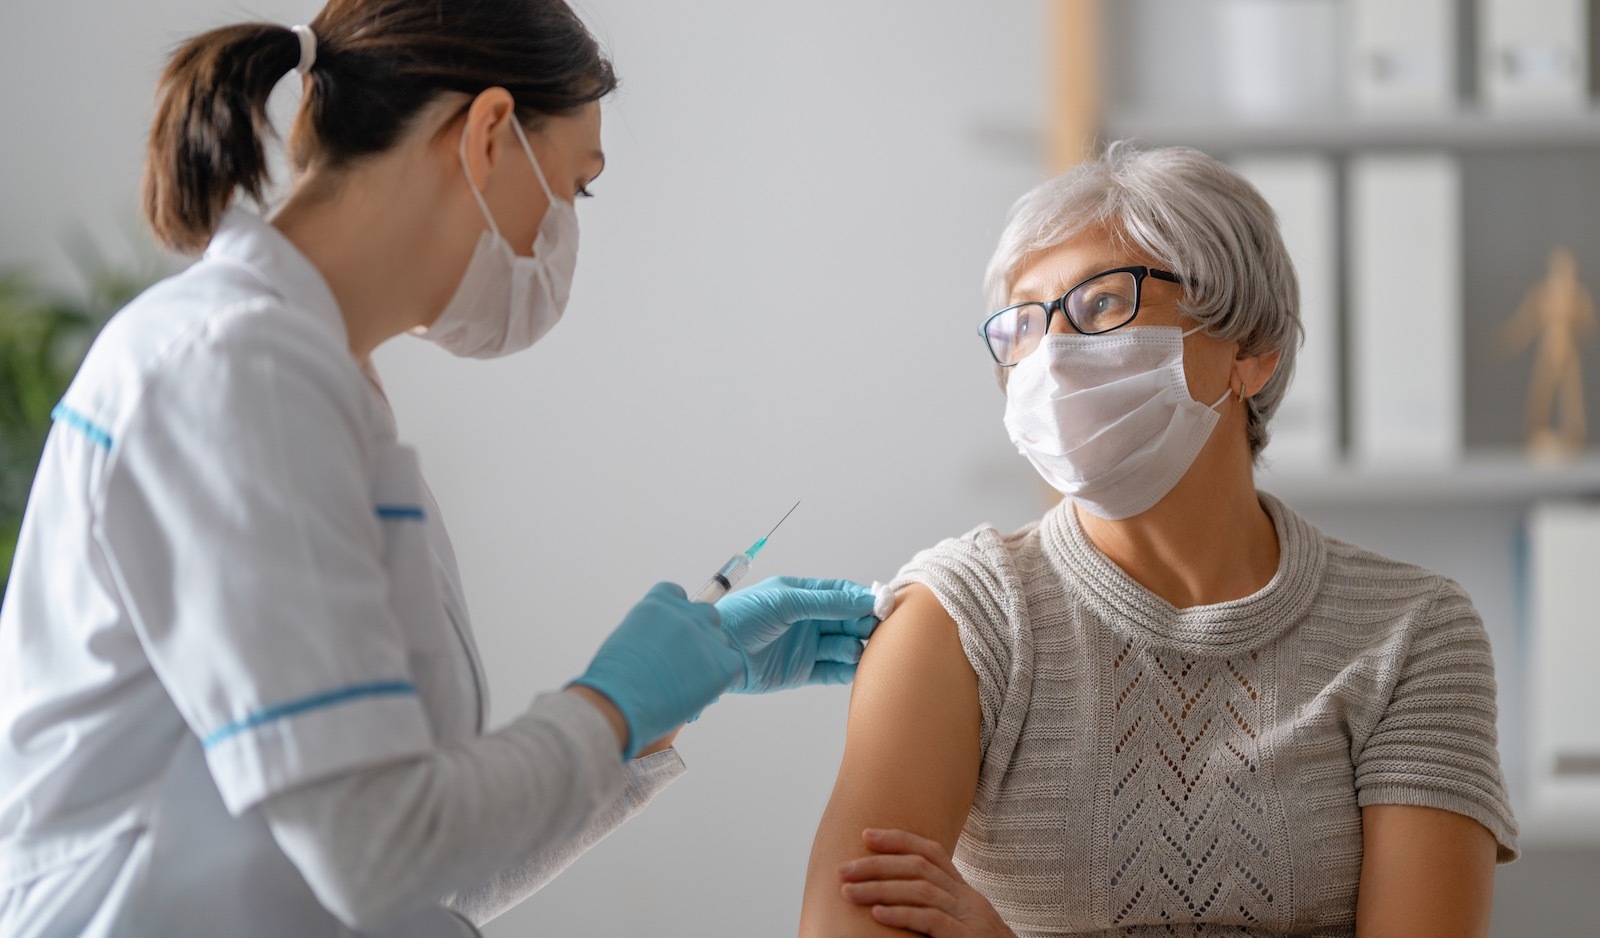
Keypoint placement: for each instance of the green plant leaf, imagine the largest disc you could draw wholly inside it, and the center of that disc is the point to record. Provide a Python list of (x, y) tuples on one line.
[(9, 531), (43, 338)]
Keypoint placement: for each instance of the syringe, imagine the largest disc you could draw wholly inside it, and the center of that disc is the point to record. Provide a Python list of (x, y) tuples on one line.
[(737, 566)]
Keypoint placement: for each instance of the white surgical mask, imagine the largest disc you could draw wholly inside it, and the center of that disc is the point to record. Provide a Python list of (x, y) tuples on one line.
[(506, 302), (1107, 419)]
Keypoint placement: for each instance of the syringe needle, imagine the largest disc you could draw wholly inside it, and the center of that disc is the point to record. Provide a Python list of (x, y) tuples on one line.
[(737, 566), (756, 547), (782, 520)]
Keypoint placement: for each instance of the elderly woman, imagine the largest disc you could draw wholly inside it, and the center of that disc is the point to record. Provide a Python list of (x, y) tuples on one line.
[(1171, 706)]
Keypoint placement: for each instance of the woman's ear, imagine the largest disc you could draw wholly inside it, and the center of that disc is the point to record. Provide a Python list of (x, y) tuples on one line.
[(1252, 372), (486, 118)]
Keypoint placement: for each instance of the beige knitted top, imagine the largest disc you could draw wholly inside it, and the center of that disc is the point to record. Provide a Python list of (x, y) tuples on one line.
[(1149, 770)]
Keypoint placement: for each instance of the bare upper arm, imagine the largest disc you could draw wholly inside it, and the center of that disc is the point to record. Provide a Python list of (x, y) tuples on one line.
[(1425, 873), (911, 754)]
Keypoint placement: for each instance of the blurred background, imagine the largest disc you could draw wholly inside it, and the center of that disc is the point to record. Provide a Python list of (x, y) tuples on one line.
[(778, 299)]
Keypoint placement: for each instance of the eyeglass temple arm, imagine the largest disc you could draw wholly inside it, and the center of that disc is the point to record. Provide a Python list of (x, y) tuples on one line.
[(1171, 277)]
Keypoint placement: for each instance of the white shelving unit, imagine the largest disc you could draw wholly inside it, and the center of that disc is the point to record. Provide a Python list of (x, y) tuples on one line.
[(1466, 518), (1481, 478), (1465, 131), (1153, 101)]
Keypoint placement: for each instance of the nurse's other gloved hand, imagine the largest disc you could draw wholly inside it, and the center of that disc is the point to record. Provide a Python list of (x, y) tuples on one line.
[(793, 632), (668, 660)]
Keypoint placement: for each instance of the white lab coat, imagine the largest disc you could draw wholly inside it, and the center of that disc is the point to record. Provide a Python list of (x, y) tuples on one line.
[(232, 585)]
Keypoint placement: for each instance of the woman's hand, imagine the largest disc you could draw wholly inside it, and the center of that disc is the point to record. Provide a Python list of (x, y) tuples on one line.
[(793, 631), (912, 884), (667, 661)]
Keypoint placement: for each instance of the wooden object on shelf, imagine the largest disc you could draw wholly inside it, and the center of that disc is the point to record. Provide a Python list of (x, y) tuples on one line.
[(1074, 61), (1557, 313)]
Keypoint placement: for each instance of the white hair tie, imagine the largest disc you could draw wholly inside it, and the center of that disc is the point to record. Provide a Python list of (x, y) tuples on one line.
[(308, 48)]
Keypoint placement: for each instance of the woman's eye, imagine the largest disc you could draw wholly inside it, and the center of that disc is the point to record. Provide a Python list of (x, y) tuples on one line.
[(584, 193), (1104, 303)]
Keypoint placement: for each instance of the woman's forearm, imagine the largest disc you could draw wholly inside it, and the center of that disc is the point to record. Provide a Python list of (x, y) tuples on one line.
[(377, 842), (647, 776)]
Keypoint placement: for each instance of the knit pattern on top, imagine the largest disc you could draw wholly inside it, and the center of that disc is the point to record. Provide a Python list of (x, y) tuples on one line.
[(1189, 835), (1149, 770)]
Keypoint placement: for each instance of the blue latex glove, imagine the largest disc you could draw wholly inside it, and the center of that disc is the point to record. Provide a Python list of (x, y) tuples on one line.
[(667, 660), (793, 632)]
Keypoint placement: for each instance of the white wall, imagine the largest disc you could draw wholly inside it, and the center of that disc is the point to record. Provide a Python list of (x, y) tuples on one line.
[(777, 299)]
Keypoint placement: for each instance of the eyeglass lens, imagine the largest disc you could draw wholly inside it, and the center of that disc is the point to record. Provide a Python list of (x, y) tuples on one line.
[(1107, 302), (1014, 332)]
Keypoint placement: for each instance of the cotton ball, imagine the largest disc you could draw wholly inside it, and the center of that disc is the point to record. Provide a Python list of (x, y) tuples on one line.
[(883, 600)]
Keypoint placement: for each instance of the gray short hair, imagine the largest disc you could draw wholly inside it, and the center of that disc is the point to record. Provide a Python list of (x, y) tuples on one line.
[(1196, 217)]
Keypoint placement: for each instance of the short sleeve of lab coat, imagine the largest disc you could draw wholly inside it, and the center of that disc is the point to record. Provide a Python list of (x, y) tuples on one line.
[(237, 518)]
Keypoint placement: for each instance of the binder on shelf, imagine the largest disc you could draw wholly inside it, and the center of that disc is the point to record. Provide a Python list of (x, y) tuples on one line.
[(1303, 191), (1405, 55), (1279, 58), (1404, 253), (1533, 55), (1563, 653)]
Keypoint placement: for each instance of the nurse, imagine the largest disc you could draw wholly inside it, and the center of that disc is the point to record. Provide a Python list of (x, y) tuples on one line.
[(238, 688)]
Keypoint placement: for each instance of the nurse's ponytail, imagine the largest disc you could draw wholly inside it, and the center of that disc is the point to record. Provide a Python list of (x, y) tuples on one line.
[(376, 64), (211, 119)]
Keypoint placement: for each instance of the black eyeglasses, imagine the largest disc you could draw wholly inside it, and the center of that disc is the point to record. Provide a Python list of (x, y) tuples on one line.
[(1108, 300)]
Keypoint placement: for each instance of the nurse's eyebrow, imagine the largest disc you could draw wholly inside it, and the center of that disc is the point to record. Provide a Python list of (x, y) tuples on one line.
[(601, 156)]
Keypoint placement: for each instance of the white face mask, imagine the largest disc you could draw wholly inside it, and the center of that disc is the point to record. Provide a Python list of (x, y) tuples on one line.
[(506, 302), (1107, 419)]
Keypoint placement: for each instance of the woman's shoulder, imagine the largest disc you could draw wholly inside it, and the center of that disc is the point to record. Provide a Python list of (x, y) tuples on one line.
[(1380, 605), (984, 559), (1361, 575), (984, 548), (192, 334), (983, 579), (211, 308), (1422, 726)]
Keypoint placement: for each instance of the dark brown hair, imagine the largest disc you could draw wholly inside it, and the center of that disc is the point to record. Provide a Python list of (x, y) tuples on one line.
[(378, 63)]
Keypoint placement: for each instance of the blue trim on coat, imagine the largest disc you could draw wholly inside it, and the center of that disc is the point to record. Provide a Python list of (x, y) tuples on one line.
[(97, 435), (314, 702), (400, 513)]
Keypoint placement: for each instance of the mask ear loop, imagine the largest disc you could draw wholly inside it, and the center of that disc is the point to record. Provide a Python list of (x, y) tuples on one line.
[(537, 169), (483, 205), (1227, 393)]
